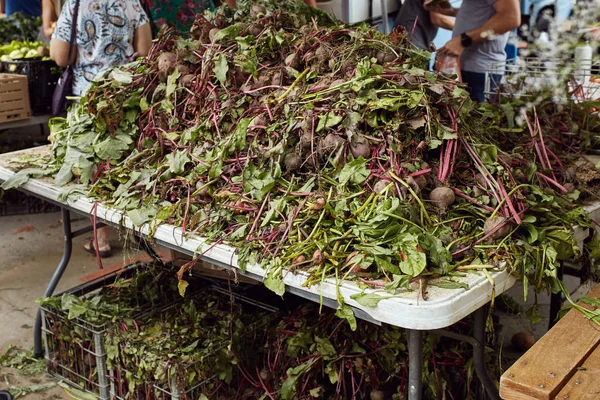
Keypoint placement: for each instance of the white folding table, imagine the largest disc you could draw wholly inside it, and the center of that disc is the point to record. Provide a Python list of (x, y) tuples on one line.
[(443, 307)]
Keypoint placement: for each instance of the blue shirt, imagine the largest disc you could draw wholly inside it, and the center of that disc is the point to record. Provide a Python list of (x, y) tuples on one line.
[(31, 8)]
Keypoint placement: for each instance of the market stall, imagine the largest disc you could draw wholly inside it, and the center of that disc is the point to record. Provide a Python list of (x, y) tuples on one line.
[(321, 160)]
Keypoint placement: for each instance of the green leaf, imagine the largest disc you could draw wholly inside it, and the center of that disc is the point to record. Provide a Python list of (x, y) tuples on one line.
[(368, 299), (328, 120), (594, 246), (122, 77), (564, 244), (355, 171), (177, 161), (17, 180), (221, 68), (275, 284), (448, 284), (182, 286), (231, 32), (140, 216), (288, 388), (325, 348), (400, 281), (172, 83), (345, 312)]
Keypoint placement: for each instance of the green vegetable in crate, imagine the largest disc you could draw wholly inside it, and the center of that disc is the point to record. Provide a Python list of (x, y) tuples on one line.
[(19, 27), (17, 50)]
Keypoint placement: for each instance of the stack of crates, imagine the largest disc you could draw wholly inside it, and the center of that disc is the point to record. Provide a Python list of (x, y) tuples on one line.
[(14, 98)]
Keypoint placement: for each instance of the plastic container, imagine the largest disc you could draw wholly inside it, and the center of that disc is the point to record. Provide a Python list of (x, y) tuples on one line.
[(75, 349), (42, 76), (14, 202), (256, 315)]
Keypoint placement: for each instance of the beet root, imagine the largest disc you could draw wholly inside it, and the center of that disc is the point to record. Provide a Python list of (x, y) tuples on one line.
[(292, 161), (331, 143), (442, 197), (381, 185), (257, 11), (167, 62), (361, 149), (496, 227)]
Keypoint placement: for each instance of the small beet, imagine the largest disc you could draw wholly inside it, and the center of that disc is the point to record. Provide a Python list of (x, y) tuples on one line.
[(265, 375), (255, 29), (492, 224), (385, 57), (480, 179), (167, 62), (522, 341), (377, 395), (330, 144), (186, 80), (319, 204), (293, 61), (442, 197), (381, 185), (414, 185), (257, 11), (421, 181), (361, 150), (301, 259), (183, 69), (203, 189), (322, 54), (317, 258), (292, 162)]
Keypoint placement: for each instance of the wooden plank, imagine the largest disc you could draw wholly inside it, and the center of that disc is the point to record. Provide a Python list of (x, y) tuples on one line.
[(543, 371), (585, 384)]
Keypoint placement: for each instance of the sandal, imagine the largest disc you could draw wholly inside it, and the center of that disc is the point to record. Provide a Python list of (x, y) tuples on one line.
[(92, 250)]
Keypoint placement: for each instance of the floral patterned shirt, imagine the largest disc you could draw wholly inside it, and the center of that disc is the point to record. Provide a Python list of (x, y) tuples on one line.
[(105, 32), (177, 13)]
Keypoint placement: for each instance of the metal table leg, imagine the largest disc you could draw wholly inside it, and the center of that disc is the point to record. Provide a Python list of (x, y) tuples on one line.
[(415, 364), (479, 354), (60, 269)]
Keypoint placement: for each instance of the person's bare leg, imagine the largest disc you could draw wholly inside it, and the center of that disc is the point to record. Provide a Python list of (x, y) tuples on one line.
[(103, 243)]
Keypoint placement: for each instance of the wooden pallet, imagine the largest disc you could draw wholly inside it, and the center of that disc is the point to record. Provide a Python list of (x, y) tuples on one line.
[(563, 364), (14, 98)]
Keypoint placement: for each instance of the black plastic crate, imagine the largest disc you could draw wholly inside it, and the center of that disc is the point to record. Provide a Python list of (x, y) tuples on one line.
[(13, 202), (42, 76)]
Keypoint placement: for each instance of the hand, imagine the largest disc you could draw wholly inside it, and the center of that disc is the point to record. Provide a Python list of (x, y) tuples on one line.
[(453, 47)]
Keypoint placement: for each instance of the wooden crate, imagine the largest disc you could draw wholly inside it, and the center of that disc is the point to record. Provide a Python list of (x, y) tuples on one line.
[(14, 98), (563, 364)]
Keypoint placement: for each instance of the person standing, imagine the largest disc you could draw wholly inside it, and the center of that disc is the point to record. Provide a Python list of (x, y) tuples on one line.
[(479, 38), (108, 33), (30, 8), (422, 25)]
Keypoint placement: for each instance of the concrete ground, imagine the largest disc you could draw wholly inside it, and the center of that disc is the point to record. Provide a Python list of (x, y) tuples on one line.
[(31, 247)]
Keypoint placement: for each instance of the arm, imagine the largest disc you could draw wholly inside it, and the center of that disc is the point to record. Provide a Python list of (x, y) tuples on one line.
[(2, 7), (441, 20), (59, 52), (507, 17), (142, 40), (231, 3), (49, 17)]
